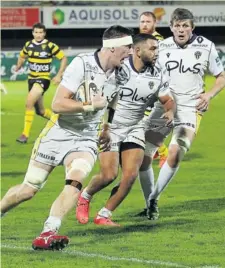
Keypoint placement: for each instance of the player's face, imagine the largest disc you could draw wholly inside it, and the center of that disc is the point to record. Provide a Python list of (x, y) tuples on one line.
[(147, 24), (182, 31), (121, 53), (149, 52), (38, 34)]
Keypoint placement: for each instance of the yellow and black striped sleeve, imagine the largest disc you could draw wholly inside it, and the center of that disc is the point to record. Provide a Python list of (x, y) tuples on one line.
[(23, 52), (158, 36), (56, 51)]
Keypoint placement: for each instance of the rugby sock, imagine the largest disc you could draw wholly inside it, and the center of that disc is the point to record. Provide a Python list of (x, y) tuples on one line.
[(147, 182), (47, 114), (85, 195), (163, 151), (165, 175), (28, 120), (52, 224), (105, 213)]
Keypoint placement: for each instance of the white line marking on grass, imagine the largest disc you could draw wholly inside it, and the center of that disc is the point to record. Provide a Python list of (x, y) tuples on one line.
[(10, 113), (105, 257)]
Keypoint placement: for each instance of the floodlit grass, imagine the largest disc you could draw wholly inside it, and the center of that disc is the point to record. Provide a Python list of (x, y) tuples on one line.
[(189, 233)]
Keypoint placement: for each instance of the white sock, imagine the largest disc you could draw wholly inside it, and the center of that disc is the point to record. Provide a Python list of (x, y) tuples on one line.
[(104, 212), (52, 224), (147, 182), (165, 176), (85, 195)]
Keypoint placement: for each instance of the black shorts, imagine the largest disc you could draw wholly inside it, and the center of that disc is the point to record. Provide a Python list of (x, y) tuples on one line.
[(44, 83)]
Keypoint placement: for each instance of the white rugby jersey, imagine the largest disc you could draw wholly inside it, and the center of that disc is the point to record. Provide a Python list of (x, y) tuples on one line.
[(137, 91), (85, 72), (185, 67)]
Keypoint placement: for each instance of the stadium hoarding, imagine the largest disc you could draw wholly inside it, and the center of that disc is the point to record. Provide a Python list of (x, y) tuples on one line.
[(19, 17), (9, 60), (128, 16)]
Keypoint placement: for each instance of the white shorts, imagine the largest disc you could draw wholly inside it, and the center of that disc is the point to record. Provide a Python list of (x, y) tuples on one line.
[(122, 134), (156, 124), (187, 118), (55, 143)]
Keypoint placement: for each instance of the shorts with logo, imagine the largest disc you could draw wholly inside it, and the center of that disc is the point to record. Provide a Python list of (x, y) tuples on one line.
[(123, 134), (156, 124), (188, 118), (44, 83), (55, 143)]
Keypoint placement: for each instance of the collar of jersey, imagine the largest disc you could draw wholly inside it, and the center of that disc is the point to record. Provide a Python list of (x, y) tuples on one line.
[(191, 40), (39, 43), (97, 58), (133, 68)]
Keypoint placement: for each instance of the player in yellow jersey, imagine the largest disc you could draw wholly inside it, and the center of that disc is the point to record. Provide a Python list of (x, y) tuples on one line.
[(39, 53), (147, 24)]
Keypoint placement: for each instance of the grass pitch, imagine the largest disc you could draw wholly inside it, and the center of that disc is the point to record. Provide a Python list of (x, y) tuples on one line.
[(189, 233)]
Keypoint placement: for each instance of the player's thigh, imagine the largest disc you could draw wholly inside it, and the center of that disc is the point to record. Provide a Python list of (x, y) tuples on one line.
[(34, 94), (155, 138), (109, 164), (132, 157)]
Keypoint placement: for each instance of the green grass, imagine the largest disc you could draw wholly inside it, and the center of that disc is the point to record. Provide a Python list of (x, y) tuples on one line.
[(189, 233)]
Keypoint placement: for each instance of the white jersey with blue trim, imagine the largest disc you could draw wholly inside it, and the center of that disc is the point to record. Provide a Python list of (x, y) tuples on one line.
[(185, 67), (137, 91)]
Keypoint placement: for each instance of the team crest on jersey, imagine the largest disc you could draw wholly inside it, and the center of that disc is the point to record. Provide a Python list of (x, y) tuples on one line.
[(151, 84), (122, 75), (198, 54), (167, 54)]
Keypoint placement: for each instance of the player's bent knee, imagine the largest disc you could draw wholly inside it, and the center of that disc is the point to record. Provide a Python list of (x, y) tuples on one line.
[(35, 177), (183, 142), (80, 165)]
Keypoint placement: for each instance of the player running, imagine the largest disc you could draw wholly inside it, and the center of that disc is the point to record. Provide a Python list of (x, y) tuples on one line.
[(139, 83)]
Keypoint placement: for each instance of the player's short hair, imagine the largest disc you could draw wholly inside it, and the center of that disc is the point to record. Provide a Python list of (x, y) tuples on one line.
[(142, 37), (39, 26), (116, 31), (148, 14), (182, 14)]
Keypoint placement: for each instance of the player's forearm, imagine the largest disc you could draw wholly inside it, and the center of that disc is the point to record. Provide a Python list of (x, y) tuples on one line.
[(169, 105), (67, 106), (63, 64), (218, 86), (20, 62)]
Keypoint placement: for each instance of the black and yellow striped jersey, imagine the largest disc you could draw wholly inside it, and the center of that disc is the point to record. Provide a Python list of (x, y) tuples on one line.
[(40, 57), (159, 37)]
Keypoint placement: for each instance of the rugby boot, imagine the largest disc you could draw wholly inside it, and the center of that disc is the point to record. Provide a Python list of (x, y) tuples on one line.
[(22, 139), (153, 210), (82, 210), (50, 241), (105, 221)]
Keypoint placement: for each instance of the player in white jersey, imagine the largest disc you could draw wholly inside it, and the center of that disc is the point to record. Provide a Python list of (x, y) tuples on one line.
[(71, 139), (184, 58), (139, 82)]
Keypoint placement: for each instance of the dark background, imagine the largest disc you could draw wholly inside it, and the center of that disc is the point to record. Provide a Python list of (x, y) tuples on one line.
[(77, 38)]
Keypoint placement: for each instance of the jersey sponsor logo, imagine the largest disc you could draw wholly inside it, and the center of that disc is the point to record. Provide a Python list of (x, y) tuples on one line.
[(31, 45), (91, 68), (199, 45), (45, 156), (173, 65), (151, 84), (39, 67), (129, 93), (93, 87), (43, 54), (166, 45)]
